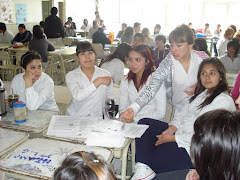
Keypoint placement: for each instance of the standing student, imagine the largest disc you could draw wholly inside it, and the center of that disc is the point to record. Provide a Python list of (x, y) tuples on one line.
[(164, 147), (178, 71), (89, 85), (33, 86), (53, 27), (116, 62), (141, 72)]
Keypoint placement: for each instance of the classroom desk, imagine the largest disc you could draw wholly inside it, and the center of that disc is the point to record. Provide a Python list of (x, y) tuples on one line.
[(38, 158), (4, 46), (37, 121), (10, 139), (231, 79), (68, 51), (120, 153)]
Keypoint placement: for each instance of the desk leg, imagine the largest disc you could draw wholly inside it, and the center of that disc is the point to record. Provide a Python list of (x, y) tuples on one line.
[(133, 149), (124, 162)]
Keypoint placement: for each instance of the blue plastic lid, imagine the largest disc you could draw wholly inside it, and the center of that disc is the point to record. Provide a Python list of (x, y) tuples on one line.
[(18, 104)]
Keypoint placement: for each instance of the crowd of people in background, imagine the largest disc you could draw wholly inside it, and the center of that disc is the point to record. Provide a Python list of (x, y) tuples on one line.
[(178, 67)]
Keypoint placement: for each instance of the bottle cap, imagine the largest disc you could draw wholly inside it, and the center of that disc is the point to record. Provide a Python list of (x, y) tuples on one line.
[(18, 104)]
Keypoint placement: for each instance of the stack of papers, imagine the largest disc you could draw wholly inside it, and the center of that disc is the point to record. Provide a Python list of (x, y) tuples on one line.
[(105, 133)]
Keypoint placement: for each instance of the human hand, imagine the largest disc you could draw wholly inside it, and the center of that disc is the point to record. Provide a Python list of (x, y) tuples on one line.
[(127, 116), (192, 175), (164, 138), (106, 80), (26, 43), (28, 78), (14, 42), (191, 90), (171, 130)]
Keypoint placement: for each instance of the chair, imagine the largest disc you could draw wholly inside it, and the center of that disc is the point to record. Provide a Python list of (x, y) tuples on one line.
[(170, 110), (8, 70), (98, 48), (18, 57), (62, 97), (68, 41), (5, 58), (56, 67)]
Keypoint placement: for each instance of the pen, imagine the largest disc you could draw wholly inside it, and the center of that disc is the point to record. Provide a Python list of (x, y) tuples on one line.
[(123, 126)]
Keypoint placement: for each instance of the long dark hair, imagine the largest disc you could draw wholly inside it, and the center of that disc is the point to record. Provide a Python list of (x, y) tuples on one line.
[(84, 46), (215, 145), (221, 87), (121, 52), (37, 32), (145, 52)]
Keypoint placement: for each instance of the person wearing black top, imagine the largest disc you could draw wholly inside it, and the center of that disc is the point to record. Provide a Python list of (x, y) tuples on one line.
[(23, 36), (100, 37)]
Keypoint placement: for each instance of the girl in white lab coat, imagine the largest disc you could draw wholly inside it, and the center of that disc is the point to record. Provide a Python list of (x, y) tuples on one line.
[(141, 71), (89, 85), (33, 86), (165, 147)]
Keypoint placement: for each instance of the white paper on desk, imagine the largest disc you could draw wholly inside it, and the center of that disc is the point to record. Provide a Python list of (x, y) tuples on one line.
[(105, 140), (132, 130), (69, 126)]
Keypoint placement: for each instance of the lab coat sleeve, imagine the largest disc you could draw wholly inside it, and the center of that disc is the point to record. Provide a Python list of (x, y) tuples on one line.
[(78, 93), (36, 99), (147, 95), (124, 100)]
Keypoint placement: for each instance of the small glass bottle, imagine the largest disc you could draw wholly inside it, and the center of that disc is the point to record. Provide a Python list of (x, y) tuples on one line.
[(19, 109)]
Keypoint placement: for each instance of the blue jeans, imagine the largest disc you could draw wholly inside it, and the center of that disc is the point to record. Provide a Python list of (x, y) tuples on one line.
[(164, 157)]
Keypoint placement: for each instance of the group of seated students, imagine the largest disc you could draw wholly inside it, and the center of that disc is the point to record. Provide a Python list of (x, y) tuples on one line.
[(193, 82)]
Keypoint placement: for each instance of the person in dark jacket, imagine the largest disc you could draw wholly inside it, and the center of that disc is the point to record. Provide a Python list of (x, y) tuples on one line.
[(23, 36), (100, 37), (40, 44), (53, 27)]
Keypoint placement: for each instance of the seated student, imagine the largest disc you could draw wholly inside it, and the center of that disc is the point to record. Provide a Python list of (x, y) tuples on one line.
[(33, 86), (89, 85), (93, 29), (148, 40), (102, 24), (70, 23), (222, 43), (127, 36), (160, 52), (85, 25), (156, 31), (138, 39), (231, 60), (84, 166), (166, 147), (23, 36), (215, 146), (69, 30), (120, 33), (115, 62), (100, 37), (141, 72), (40, 44), (6, 36), (214, 156), (200, 44)]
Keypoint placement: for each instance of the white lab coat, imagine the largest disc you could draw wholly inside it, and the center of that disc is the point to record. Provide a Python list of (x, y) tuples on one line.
[(232, 67), (87, 100), (185, 119), (116, 69), (39, 96), (155, 109)]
